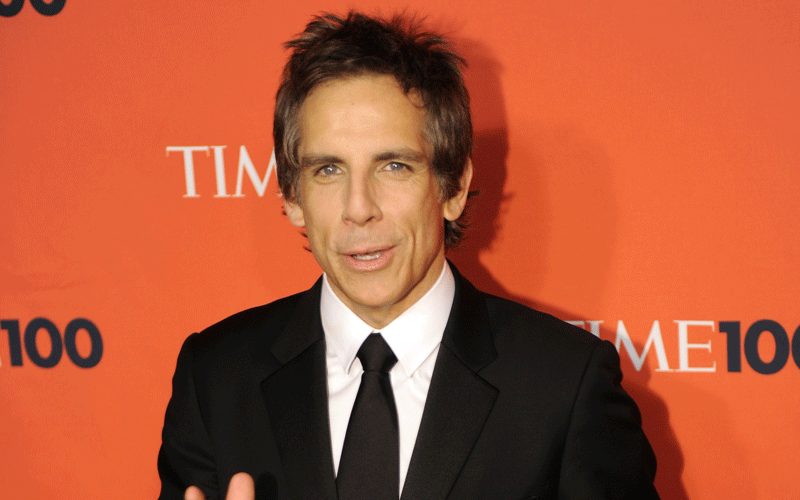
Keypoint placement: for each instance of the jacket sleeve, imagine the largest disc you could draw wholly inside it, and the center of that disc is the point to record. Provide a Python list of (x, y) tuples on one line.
[(606, 453), (186, 457)]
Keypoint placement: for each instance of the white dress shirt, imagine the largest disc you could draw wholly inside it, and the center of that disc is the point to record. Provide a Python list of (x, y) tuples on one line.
[(414, 337)]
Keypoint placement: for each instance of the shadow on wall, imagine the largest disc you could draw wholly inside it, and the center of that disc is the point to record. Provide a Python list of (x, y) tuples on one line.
[(485, 215), (655, 422)]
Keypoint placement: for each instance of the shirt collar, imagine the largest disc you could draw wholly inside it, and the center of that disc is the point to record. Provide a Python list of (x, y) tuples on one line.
[(412, 336)]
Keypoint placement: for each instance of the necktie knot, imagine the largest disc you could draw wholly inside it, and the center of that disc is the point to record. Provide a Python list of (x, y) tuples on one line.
[(376, 355)]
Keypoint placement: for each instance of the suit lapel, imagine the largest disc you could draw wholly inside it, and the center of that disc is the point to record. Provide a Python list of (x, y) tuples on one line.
[(296, 396), (459, 400)]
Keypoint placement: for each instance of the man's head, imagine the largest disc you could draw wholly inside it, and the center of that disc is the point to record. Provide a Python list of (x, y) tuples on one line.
[(334, 48), (372, 139)]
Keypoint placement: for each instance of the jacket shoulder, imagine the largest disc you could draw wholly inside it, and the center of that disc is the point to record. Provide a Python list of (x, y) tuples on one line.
[(245, 334), (517, 323)]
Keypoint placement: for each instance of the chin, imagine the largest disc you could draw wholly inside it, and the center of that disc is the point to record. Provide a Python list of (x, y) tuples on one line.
[(374, 300)]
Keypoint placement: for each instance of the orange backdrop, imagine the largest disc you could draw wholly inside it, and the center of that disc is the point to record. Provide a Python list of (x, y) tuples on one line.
[(639, 164)]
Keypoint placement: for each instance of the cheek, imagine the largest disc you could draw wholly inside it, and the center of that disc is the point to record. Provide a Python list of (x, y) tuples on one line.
[(428, 220), (316, 226)]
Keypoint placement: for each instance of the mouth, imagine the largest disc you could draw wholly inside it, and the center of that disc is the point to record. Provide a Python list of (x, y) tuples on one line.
[(369, 259), (366, 256)]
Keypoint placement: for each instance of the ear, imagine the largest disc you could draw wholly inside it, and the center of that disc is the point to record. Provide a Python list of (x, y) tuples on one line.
[(454, 207), (294, 212)]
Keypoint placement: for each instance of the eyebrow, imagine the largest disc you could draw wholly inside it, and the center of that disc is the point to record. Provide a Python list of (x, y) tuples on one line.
[(315, 160), (403, 154)]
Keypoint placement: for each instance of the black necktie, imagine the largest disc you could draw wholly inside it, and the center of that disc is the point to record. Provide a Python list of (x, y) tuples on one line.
[(369, 468)]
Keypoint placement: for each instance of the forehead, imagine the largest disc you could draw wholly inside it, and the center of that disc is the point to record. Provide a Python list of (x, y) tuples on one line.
[(365, 107)]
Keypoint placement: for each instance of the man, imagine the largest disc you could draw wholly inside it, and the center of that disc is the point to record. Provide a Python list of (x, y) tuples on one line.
[(392, 377)]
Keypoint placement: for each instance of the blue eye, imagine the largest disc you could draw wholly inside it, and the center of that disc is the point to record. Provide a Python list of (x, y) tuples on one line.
[(328, 170), (396, 166)]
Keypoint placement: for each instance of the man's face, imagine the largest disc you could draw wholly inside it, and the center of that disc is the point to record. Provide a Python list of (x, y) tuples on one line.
[(368, 198)]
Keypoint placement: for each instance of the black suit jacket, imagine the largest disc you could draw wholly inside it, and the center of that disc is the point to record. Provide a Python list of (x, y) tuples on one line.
[(521, 405)]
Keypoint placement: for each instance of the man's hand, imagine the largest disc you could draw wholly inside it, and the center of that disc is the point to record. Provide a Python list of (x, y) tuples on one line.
[(241, 488)]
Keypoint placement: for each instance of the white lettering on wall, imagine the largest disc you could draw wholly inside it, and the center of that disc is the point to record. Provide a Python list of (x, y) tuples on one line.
[(654, 340), (188, 166), (245, 166), (684, 346)]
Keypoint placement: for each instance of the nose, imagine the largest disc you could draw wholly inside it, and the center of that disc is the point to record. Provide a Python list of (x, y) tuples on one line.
[(361, 204)]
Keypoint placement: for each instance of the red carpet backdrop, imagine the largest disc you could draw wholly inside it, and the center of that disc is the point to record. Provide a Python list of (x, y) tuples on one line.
[(639, 169)]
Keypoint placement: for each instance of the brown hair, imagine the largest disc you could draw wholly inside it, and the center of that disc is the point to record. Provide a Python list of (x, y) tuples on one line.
[(332, 47)]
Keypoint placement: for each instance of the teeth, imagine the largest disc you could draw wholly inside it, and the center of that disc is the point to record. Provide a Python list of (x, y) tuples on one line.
[(367, 256)]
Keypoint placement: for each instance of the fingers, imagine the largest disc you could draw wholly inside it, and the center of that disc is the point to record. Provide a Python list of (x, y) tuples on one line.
[(241, 487), (193, 493)]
